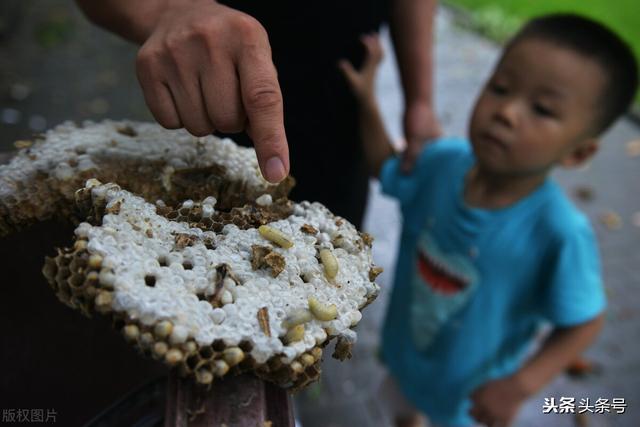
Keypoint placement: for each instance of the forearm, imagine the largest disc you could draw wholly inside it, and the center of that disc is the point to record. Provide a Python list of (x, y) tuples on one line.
[(562, 346), (376, 142), (412, 32), (130, 19)]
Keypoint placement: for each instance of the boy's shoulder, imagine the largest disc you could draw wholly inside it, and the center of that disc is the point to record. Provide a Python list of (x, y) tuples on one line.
[(439, 161), (446, 147), (559, 218), (443, 158), (570, 274)]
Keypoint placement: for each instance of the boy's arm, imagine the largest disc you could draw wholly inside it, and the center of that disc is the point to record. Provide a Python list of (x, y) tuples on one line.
[(376, 142), (558, 351), (497, 402)]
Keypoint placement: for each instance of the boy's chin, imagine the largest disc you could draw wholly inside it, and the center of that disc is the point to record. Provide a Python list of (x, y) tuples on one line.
[(497, 165), (490, 165), (509, 172)]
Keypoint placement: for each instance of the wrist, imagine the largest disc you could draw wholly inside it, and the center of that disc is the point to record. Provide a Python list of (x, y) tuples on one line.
[(146, 17), (421, 122), (367, 103), (423, 102), (524, 384)]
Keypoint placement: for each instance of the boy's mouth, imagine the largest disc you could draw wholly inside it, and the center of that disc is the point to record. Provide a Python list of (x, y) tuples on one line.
[(491, 139), (439, 276)]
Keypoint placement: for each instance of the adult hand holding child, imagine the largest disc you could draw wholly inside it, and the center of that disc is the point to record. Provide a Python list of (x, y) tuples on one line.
[(420, 123)]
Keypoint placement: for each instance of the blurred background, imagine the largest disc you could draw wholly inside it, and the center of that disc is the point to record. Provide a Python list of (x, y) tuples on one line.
[(56, 66)]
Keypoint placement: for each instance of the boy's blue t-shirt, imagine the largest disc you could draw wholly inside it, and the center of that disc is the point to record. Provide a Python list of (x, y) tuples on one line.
[(473, 285)]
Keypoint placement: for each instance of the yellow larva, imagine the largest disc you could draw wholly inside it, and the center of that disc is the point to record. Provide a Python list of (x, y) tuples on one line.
[(276, 236), (329, 262), (322, 311)]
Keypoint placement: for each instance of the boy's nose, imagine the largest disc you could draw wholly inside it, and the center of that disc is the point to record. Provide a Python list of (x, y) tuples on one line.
[(507, 113)]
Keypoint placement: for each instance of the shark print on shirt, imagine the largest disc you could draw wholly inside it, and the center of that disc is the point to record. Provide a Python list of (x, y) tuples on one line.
[(442, 284)]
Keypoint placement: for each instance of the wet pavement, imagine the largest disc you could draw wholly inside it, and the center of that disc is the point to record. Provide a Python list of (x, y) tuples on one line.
[(55, 66)]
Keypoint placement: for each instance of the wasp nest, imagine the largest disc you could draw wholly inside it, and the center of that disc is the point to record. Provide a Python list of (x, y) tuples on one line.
[(143, 158), (263, 287)]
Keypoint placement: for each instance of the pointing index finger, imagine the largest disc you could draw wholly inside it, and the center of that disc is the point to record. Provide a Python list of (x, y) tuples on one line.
[(262, 100)]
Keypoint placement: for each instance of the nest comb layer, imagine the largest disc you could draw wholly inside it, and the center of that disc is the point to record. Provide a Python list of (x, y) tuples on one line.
[(263, 287), (143, 158)]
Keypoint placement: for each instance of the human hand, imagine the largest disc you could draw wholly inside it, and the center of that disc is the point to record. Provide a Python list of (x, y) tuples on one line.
[(206, 67), (496, 403), (420, 126), (362, 81)]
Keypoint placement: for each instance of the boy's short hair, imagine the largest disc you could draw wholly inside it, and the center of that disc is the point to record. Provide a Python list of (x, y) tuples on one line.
[(597, 42)]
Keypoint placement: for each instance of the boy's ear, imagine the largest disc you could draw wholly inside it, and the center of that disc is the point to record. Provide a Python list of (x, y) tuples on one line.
[(581, 153)]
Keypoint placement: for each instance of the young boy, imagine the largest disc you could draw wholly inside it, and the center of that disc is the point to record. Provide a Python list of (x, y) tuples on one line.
[(490, 246)]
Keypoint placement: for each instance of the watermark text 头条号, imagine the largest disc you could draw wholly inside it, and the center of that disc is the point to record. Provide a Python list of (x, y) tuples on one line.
[(571, 405)]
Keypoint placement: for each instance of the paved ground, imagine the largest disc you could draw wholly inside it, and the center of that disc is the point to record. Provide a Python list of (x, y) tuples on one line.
[(54, 66)]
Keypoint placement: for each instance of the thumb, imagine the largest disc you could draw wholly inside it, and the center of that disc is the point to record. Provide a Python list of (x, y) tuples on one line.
[(373, 49), (349, 72)]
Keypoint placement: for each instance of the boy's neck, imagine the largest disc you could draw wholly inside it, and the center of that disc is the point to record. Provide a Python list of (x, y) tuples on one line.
[(484, 189)]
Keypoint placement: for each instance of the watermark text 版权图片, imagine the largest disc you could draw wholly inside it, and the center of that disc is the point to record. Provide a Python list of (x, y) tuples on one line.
[(32, 415)]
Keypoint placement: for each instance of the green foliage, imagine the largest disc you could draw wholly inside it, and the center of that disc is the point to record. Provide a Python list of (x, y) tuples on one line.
[(494, 22), (499, 19), (54, 30)]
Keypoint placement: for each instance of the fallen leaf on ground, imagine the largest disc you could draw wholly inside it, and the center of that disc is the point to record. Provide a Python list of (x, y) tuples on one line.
[(633, 148), (584, 193), (582, 367), (611, 220)]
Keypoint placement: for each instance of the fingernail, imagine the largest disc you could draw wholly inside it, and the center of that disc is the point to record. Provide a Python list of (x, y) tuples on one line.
[(274, 170)]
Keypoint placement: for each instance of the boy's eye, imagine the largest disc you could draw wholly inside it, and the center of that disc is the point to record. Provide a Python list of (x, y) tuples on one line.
[(542, 110), (497, 89)]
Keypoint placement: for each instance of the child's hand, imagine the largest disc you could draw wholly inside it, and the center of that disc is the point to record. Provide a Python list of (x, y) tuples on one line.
[(496, 403), (362, 81)]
